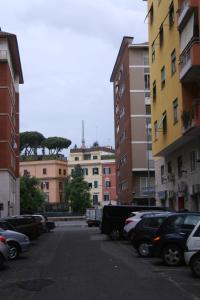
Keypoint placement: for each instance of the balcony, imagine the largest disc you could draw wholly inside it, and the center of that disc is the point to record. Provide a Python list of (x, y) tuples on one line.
[(190, 62), (191, 119), (185, 11), (3, 55)]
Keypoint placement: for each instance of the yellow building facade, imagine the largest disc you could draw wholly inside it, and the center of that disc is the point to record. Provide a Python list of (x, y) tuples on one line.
[(166, 88)]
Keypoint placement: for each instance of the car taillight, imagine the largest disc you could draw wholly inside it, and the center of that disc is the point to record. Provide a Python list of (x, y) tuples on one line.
[(2, 239), (128, 221), (156, 239)]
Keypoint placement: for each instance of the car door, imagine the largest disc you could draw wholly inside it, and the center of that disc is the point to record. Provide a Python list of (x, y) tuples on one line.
[(193, 242)]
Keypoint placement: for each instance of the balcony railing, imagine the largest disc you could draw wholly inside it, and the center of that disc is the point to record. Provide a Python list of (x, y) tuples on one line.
[(186, 57), (3, 55), (191, 118), (185, 9)]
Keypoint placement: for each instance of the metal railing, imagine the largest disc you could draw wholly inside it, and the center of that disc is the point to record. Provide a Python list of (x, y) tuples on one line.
[(185, 56)]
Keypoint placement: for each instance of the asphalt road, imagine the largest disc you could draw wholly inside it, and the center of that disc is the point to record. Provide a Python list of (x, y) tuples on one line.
[(76, 262)]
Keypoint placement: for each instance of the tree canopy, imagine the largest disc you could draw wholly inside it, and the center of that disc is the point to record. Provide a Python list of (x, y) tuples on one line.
[(31, 141), (31, 197), (56, 144), (76, 191)]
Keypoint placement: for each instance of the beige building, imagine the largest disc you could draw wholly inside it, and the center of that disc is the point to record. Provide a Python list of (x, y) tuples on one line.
[(99, 171), (50, 173), (132, 110)]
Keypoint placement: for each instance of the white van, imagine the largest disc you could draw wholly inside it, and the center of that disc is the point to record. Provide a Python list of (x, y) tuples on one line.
[(192, 254)]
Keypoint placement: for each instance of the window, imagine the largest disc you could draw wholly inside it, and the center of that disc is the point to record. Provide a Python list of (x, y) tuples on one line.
[(154, 90), (161, 35), (175, 110), (107, 183), (90, 185), (149, 146), (193, 160), (95, 199), (44, 185), (76, 158), (60, 184), (95, 171), (64, 172), (95, 157), (179, 165), (163, 77), (151, 13), (95, 184), (87, 156), (106, 170), (173, 62), (148, 109), (106, 197), (156, 130), (44, 171), (153, 53), (169, 167), (164, 117), (60, 172), (171, 14), (162, 173), (147, 81), (146, 60), (85, 171)]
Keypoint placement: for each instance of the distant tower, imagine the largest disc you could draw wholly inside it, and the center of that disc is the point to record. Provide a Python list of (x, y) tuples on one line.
[(83, 136)]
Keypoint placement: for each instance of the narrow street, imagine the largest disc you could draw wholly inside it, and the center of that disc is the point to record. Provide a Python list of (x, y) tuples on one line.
[(76, 262)]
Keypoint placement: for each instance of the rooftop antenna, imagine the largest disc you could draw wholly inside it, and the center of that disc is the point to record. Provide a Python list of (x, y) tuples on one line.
[(83, 136)]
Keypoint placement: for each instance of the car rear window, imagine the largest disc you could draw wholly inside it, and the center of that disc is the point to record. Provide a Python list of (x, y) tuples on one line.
[(154, 222)]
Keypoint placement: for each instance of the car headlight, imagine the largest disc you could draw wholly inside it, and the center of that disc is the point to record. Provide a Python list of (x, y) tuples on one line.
[(26, 239)]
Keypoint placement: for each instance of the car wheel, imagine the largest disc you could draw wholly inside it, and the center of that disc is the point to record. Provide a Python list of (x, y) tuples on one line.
[(2, 260), (114, 235), (143, 248), (172, 255), (195, 265), (13, 250)]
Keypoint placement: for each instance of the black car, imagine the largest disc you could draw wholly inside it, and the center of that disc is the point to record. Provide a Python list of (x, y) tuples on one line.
[(114, 217), (170, 240), (25, 224), (144, 232)]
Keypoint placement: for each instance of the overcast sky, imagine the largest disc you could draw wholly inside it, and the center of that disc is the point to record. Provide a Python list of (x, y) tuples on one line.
[(68, 49)]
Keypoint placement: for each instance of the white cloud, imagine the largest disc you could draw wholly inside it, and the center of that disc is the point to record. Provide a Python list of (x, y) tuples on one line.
[(68, 49)]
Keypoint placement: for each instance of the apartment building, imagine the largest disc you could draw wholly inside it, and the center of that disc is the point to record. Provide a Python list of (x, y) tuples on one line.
[(175, 96), (99, 170), (10, 78), (132, 113), (51, 175)]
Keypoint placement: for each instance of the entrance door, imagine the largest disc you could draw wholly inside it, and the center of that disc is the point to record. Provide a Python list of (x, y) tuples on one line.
[(181, 203)]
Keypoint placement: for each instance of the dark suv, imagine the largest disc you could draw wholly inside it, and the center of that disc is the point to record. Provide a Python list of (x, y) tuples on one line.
[(145, 231), (26, 225), (170, 240)]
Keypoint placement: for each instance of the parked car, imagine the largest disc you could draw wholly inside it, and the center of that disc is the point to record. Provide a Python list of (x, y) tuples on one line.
[(26, 225), (114, 216), (46, 224), (192, 253), (132, 221), (4, 251), (6, 225), (16, 241), (170, 240), (144, 232)]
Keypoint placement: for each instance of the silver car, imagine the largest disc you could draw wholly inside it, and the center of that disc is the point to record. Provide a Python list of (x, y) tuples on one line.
[(16, 241), (4, 251)]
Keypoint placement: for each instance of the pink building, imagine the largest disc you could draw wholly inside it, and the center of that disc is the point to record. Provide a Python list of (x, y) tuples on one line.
[(109, 182)]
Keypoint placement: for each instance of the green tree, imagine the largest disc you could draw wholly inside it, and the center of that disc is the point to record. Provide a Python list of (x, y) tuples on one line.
[(30, 141), (78, 191), (31, 198), (56, 144)]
